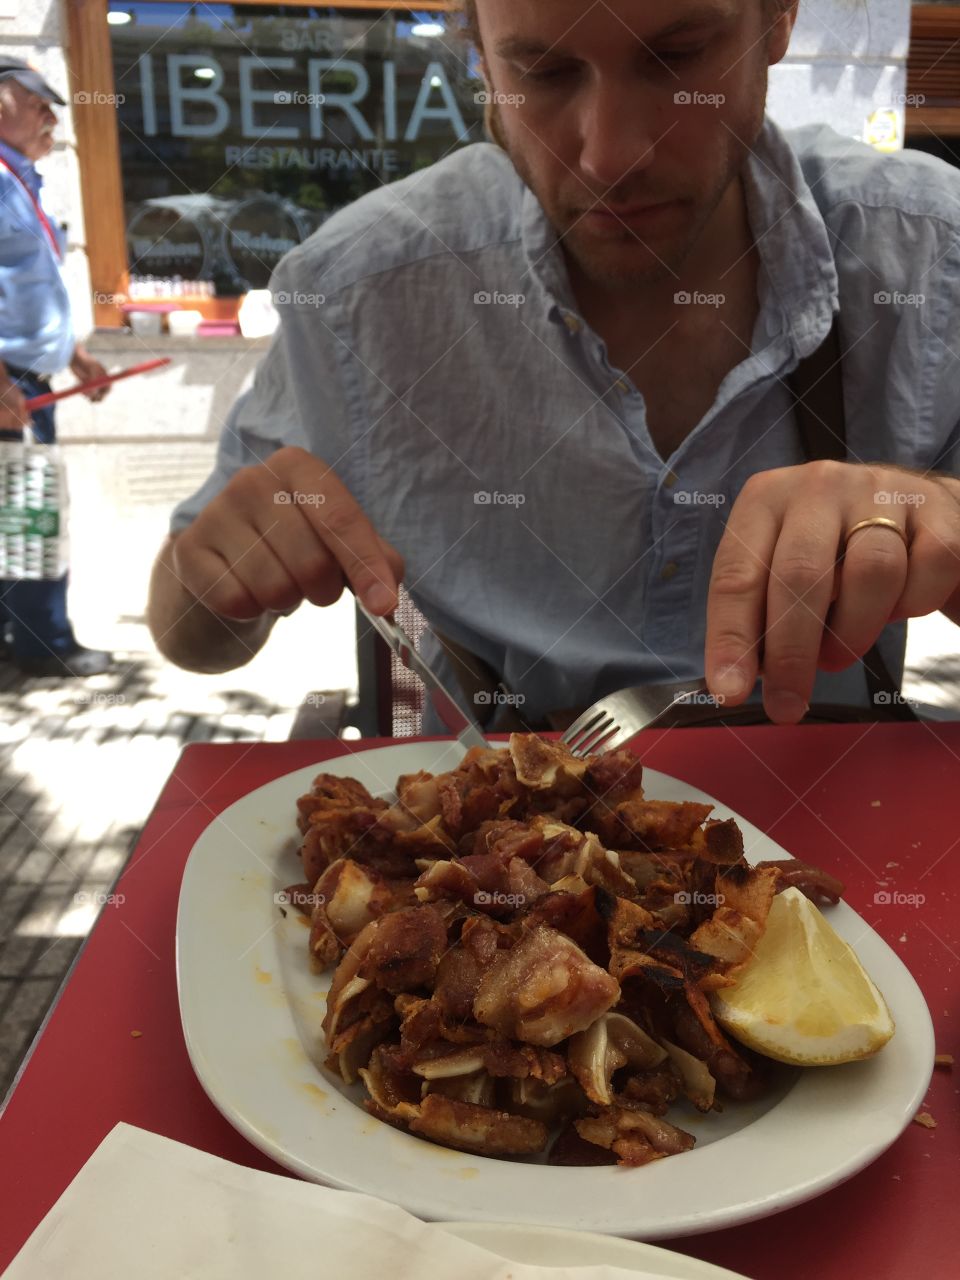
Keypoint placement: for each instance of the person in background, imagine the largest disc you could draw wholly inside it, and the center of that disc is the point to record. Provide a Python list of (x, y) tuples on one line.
[(36, 341)]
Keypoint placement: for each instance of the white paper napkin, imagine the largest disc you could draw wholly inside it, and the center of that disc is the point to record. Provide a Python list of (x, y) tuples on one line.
[(149, 1207)]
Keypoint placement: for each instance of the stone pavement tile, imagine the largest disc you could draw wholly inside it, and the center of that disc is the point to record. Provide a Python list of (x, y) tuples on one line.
[(56, 958), (74, 860), (8, 821), (14, 899), (40, 865), (21, 797), (107, 861), (52, 911), (16, 956), (23, 1005), (22, 837), (22, 957)]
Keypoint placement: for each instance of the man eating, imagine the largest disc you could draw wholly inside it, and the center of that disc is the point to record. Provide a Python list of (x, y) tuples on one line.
[(553, 383)]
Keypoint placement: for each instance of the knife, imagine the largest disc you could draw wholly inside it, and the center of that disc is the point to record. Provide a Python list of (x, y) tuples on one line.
[(448, 708)]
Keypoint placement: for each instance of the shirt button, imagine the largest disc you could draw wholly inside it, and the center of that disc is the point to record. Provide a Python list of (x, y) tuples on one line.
[(572, 322), (668, 570), (670, 479)]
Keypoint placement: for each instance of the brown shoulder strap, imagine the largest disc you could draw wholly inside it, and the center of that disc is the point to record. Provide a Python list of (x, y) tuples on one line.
[(480, 686), (817, 387)]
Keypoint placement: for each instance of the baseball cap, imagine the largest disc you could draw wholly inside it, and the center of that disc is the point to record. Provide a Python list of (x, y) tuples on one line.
[(29, 77)]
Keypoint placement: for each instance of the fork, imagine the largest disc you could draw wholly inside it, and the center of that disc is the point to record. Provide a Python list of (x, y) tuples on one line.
[(616, 720)]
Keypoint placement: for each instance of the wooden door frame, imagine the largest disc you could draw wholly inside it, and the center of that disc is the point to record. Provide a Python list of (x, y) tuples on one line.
[(90, 73), (933, 21)]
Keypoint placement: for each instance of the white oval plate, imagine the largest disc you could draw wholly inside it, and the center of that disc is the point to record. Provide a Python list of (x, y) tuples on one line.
[(549, 1247), (251, 1013)]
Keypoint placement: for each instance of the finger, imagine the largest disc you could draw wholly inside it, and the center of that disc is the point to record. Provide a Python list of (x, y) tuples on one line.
[(236, 575), (206, 576), (394, 559), (933, 573), (802, 577), (307, 560), (266, 579), (736, 601), (872, 578), (355, 544)]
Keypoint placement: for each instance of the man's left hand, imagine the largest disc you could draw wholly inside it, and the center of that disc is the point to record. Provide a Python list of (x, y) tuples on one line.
[(85, 369), (792, 590)]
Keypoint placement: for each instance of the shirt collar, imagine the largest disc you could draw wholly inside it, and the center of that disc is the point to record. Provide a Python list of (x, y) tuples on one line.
[(800, 274), (22, 167), (793, 242)]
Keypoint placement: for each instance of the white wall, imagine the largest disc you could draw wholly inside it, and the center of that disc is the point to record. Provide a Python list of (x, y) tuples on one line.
[(847, 58)]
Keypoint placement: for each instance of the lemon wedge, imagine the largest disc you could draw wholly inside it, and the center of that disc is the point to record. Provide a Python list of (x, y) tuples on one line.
[(804, 997)]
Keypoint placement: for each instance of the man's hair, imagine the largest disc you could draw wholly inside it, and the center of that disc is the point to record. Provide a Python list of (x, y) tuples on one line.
[(468, 12)]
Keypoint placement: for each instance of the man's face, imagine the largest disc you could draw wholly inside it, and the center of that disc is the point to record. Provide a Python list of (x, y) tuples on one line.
[(27, 121), (630, 118)]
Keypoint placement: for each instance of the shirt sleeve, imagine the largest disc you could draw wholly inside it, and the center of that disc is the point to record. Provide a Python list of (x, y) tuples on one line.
[(297, 397), (261, 421)]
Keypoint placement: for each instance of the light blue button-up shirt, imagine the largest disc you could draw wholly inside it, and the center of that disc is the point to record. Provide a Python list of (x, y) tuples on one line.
[(36, 331), (492, 442)]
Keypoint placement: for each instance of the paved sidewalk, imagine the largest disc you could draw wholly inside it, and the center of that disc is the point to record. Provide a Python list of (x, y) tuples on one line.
[(81, 764)]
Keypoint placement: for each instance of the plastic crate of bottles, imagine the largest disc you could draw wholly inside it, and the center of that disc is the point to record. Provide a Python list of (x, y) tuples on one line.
[(33, 502)]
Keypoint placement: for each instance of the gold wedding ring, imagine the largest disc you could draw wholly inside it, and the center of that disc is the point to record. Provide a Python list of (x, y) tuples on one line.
[(879, 522)]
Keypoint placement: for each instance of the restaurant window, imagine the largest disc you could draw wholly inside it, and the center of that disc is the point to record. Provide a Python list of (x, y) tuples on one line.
[(242, 128)]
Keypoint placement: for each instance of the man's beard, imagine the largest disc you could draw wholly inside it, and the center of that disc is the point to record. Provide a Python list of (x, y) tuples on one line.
[(623, 260)]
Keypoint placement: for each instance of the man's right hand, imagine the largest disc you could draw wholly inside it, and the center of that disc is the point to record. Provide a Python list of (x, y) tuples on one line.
[(280, 533), (14, 414)]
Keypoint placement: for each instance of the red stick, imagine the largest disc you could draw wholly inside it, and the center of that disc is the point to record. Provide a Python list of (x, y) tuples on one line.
[(41, 402)]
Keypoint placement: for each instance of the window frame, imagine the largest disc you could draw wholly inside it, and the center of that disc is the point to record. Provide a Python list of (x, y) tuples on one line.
[(90, 70), (934, 22)]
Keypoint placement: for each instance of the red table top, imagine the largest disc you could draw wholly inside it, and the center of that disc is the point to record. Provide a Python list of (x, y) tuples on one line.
[(852, 799)]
